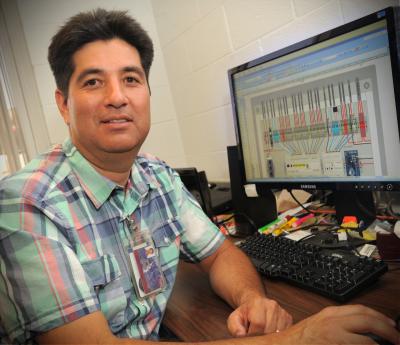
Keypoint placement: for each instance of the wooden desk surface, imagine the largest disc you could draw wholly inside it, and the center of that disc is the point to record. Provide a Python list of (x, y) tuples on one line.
[(195, 313)]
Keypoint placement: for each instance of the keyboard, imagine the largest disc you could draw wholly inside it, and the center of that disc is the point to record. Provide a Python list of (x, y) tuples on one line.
[(335, 273)]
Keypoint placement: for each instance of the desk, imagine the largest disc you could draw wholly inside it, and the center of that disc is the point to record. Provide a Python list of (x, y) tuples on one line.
[(195, 313)]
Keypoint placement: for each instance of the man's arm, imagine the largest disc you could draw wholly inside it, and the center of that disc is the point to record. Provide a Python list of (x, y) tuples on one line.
[(333, 325), (234, 278)]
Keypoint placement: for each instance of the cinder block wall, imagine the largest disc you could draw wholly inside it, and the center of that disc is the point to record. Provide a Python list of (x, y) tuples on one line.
[(196, 42), (202, 39)]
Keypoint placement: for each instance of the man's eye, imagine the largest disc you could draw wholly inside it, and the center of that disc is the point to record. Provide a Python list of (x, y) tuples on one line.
[(131, 80), (91, 82)]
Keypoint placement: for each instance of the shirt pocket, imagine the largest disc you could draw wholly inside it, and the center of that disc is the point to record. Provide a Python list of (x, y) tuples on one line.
[(167, 242), (105, 274)]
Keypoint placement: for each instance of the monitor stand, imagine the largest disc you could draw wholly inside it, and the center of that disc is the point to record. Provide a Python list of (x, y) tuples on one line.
[(355, 203)]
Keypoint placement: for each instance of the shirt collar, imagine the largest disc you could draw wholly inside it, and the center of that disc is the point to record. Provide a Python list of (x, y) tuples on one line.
[(97, 187)]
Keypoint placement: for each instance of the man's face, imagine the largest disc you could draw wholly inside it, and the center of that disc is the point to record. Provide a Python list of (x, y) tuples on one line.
[(108, 104)]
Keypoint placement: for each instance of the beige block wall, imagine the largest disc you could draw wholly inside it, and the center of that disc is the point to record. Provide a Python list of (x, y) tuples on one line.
[(196, 42), (202, 39), (40, 20)]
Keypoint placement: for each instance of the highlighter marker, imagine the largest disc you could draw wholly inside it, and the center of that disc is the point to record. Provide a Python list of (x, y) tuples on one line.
[(291, 221), (300, 221), (278, 222), (266, 227)]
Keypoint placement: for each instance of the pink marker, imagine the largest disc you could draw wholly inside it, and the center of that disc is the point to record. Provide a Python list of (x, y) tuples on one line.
[(300, 221)]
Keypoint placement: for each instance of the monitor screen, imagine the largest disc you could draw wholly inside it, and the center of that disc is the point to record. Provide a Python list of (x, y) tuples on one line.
[(323, 113)]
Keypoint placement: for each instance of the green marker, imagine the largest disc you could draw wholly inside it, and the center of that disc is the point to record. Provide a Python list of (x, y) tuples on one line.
[(267, 226)]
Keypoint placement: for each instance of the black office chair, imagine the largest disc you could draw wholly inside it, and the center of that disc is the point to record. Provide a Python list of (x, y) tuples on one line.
[(197, 184)]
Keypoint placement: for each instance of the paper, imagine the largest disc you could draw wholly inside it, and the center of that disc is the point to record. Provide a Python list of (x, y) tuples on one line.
[(298, 235), (285, 201), (342, 236), (251, 190), (367, 249), (293, 211), (397, 229)]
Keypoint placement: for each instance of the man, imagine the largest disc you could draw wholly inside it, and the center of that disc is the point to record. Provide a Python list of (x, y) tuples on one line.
[(91, 232)]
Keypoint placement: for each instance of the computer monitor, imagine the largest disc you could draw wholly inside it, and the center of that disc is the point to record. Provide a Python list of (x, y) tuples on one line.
[(324, 113)]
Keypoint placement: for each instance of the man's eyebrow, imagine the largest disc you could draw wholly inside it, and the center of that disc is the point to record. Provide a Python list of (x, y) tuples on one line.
[(88, 71), (135, 69)]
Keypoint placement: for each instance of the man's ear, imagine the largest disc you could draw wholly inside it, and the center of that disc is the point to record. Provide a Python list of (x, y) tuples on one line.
[(62, 105)]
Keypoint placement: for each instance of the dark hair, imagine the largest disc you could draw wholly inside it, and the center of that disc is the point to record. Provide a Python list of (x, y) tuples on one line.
[(86, 27)]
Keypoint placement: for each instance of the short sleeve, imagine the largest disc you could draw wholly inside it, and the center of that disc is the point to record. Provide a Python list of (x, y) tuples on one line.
[(42, 282), (200, 236)]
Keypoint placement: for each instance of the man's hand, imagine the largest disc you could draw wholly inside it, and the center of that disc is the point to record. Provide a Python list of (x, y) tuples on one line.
[(257, 316), (234, 278), (347, 324)]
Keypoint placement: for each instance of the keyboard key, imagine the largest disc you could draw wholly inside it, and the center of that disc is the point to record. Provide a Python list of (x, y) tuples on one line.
[(336, 275)]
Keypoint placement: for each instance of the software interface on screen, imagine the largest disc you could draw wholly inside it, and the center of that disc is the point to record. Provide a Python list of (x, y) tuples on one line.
[(326, 111)]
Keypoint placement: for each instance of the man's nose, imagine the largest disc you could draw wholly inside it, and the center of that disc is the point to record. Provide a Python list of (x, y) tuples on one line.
[(115, 96)]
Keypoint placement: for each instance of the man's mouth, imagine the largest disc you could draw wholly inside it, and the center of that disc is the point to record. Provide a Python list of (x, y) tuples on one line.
[(117, 120)]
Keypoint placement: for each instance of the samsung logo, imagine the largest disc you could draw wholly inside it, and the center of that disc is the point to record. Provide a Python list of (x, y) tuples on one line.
[(308, 186)]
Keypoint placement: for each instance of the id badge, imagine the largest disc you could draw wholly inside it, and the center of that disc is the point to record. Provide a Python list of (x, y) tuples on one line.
[(148, 277)]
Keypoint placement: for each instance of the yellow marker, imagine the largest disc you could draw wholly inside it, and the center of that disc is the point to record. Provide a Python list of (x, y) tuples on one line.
[(291, 221), (283, 227), (277, 232)]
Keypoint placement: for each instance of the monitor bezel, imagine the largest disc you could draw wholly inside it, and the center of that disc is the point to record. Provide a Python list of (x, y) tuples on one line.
[(392, 15)]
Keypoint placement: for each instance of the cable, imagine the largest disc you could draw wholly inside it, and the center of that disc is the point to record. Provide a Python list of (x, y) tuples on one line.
[(324, 211), (349, 242), (224, 220), (390, 209), (383, 217), (306, 237), (249, 220), (393, 269), (298, 202), (235, 215), (363, 208)]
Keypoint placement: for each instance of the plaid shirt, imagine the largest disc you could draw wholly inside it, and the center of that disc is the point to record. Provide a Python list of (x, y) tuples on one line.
[(63, 241)]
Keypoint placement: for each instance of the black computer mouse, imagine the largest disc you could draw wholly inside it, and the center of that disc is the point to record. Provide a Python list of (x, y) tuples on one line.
[(379, 340)]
